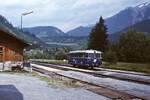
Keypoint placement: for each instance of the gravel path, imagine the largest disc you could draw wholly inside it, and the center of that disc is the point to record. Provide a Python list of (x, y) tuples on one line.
[(25, 87)]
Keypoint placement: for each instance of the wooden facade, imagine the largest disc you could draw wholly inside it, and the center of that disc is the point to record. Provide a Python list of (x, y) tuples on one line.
[(11, 47)]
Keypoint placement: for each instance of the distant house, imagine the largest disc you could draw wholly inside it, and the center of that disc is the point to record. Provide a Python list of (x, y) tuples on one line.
[(11, 46)]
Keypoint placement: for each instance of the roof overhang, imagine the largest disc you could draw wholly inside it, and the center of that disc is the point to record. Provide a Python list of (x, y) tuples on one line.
[(12, 34)]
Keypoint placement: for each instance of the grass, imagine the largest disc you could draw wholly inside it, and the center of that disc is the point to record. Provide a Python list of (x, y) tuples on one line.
[(137, 67), (58, 62), (52, 61), (57, 81)]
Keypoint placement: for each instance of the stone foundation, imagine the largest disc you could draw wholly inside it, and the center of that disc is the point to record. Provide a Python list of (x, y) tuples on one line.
[(9, 64)]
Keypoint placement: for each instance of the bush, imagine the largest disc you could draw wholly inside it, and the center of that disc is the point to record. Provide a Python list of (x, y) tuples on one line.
[(134, 47), (60, 55), (111, 57)]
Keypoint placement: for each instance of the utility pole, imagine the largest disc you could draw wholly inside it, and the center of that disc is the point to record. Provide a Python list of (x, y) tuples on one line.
[(24, 14)]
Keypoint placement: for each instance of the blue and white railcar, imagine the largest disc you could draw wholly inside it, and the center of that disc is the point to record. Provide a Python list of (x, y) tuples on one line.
[(89, 58)]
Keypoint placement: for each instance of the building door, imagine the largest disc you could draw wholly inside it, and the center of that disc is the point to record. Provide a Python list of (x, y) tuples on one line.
[(1, 53)]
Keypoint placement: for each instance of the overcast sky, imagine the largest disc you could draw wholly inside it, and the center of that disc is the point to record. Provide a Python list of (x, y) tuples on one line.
[(64, 14)]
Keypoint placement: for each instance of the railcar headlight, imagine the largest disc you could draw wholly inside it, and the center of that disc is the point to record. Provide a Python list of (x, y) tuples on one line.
[(95, 60)]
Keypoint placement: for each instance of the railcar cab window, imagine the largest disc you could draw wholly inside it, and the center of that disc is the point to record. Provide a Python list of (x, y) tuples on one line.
[(94, 55), (98, 55), (78, 55)]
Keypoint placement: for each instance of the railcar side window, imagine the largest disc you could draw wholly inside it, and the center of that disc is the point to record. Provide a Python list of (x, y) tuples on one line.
[(91, 55), (86, 55), (83, 55), (80, 55)]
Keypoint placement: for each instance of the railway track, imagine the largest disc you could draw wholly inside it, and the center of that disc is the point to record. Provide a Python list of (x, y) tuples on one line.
[(99, 89), (96, 69), (101, 73)]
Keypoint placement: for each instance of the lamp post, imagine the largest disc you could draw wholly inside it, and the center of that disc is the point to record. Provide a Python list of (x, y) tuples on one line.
[(24, 14)]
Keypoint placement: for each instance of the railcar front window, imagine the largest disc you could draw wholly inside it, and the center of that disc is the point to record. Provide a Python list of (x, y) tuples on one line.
[(98, 55), (81, 55)]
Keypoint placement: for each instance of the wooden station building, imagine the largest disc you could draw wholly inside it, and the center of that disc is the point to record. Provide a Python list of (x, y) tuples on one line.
[(11, 46)]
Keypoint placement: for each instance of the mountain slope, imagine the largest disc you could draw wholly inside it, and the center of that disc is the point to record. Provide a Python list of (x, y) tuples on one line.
[(80, 31), (128, 17), (119, 21), (17, 32), (142, 26), (45, 31)]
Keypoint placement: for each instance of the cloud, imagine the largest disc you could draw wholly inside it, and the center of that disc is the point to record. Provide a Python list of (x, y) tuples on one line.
[(65, 14)]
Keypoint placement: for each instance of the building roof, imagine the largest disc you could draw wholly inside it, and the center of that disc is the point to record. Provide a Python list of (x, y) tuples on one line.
[(13, 34), (85, 51)]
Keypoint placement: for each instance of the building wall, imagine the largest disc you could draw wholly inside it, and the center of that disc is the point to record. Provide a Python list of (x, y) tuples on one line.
[(12, 48), (1, 53), (12, 55)]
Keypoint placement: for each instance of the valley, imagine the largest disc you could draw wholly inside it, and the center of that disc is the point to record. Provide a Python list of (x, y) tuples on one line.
[(130, 18)]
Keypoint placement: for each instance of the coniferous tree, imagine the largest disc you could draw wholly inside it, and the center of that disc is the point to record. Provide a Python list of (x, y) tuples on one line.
[(98, 37)]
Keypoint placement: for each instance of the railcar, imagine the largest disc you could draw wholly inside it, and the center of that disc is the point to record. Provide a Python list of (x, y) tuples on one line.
[(87, 58)]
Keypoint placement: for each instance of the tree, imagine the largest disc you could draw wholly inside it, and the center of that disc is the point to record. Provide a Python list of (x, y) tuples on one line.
[(134, 47), (60, 55), (98, 37)]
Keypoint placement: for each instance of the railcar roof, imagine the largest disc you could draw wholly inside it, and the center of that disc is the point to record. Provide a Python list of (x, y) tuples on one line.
[(85, 51)]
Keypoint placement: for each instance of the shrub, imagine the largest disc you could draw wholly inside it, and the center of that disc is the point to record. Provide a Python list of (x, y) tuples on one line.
[(111, 57), (60, 55)]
